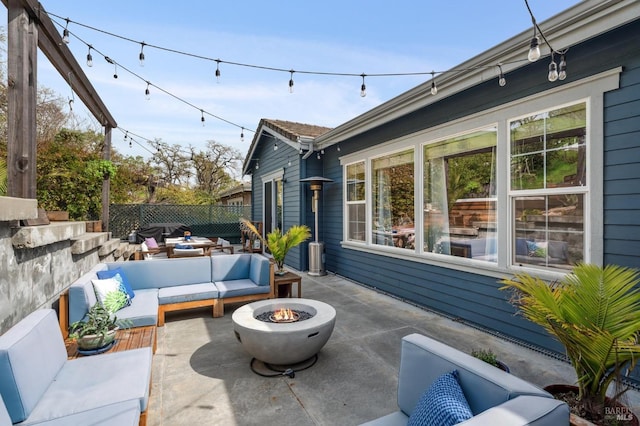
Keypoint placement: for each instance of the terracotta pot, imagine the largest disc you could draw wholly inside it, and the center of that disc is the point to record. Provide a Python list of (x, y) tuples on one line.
[(614, 410)]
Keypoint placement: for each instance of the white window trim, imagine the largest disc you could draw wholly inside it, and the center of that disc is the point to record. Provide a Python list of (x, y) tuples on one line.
[(590, 89)]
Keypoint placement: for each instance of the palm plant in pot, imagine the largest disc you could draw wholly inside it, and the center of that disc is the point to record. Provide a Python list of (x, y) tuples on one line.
[(594, 312), (98, 331), (278, 243)]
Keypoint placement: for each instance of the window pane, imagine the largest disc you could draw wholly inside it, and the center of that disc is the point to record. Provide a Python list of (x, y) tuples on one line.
[(549, 230), (459, 194), (357, 222), (393, 185), (548, 150), (355, 182)]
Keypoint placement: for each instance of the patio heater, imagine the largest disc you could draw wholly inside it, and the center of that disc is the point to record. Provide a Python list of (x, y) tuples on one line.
[(316, 248)]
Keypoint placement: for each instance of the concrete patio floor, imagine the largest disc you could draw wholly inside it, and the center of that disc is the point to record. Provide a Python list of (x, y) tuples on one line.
[(202, 375)]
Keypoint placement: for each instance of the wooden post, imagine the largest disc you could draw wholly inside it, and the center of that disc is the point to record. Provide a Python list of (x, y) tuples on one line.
[(22, 89), (106, 184)]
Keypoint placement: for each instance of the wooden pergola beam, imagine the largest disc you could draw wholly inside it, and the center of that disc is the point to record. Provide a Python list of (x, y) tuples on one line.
[(29, 27), (57, 52)]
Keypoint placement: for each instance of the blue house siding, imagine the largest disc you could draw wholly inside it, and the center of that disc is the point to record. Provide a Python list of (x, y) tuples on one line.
[(622, 174), (476, 298)]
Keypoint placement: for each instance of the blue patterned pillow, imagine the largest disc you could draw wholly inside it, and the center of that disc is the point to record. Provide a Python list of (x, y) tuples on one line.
[(119, 275), (443, 404)]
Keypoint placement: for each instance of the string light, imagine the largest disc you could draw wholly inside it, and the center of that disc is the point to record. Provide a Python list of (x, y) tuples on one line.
[(363, 88), (218, 70), (242, 135), (275, 146), (534, 47), (141, 55), (126, 135), (65, 33), (291, 81), (202, 117), (288, 162), (318, 156), (553, 70), (338, 148), (434, 89), (130, 144), (147, 93), (501, 80), (89, 58), (562, 69)]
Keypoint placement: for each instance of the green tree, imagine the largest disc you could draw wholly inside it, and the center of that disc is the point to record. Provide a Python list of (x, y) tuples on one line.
[(71, 172)]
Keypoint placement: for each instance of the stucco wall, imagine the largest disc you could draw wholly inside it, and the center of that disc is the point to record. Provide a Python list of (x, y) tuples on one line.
[(38, 263)]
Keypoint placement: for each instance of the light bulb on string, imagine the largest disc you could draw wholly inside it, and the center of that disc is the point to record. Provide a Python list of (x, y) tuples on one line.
[(141, 55), (434, 89), (275, 146), (291, 81), (202, 117), (115, 70), (126, 135), (218, 70), (363, 88), (534, 47), (501, 80), (553, 70), (288, 162), (147, 93), (65, 33), (242, 135), (130, 144), (562, 68), (89, 57), (338, 148)]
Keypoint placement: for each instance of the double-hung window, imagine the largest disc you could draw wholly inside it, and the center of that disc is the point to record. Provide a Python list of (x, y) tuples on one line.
[(548, 185)]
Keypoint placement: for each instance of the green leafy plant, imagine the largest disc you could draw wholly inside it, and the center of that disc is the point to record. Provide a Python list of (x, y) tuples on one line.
[(99, 322), (595, 313), (278, 243), (486, 355)]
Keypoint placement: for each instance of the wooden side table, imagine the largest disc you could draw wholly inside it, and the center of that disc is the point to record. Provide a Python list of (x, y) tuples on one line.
[(128, 338), (286, 281)]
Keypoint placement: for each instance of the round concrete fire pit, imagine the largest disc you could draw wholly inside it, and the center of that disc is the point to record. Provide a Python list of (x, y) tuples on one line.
[(284, 343)]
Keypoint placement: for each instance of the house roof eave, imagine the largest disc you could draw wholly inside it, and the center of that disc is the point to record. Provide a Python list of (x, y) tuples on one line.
[(583, 21)]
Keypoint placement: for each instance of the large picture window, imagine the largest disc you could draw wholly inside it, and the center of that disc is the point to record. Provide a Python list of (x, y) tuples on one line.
[(460, 196)]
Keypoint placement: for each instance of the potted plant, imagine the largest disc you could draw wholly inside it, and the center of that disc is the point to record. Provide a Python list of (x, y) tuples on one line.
[(97, 332), (595, 313), (278, 243), (488, 356)]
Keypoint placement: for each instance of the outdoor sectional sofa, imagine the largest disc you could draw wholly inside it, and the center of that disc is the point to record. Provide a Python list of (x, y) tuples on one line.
[(175, 284), (494, 397), (39, 385)]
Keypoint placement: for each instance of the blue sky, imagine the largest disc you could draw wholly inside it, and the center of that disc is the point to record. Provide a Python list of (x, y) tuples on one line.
[(351, 37)]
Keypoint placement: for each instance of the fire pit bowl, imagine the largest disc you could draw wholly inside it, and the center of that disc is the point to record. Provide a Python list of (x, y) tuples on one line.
[(284, 343)]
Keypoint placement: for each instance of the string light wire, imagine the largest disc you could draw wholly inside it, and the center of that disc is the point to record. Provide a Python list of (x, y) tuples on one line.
[(218, 61)]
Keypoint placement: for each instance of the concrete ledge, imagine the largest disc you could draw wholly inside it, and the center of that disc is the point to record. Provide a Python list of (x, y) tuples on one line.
[(88, 241), (37, 236), (18, 208), (109, 247)]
